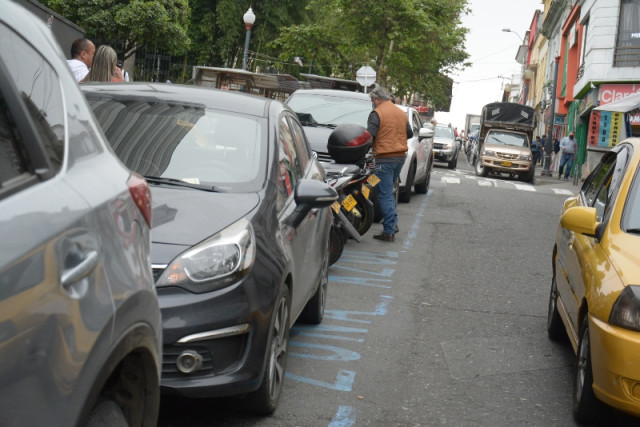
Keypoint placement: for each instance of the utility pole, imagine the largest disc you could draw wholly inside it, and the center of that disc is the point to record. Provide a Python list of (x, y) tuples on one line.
[(548, 146)]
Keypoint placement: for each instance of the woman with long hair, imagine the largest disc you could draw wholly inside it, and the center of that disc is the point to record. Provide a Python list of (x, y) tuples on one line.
[(104, 68)]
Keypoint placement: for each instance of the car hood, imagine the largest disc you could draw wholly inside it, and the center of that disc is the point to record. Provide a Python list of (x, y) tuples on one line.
[(441, 140), (318, 137), (185, 217)]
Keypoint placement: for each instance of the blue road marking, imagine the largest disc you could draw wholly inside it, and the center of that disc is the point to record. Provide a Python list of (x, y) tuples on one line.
[(381, 310), (360, 281), (345, 417), (314, 331), (367, 258), (335, 353), (413, 231), (386, 272), (344, 380)]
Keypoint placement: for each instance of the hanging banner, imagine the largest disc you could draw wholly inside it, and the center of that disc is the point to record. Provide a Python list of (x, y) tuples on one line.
[(606, 129)]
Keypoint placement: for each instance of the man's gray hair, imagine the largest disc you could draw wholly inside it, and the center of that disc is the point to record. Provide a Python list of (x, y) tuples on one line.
[(380, 93)]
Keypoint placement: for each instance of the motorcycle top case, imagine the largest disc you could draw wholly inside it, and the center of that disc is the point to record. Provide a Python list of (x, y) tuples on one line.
[(349, 143)]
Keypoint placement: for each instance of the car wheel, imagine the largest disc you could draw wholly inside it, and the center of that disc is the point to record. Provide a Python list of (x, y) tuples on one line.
[(106, 413), (453, 162), (264, 401), (480, 169), (405, 192), (314, 310), (423, 187), (585, 405), (555, 327)]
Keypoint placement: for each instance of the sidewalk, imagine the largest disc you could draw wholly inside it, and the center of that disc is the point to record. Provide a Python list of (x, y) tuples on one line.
[(552, 180)]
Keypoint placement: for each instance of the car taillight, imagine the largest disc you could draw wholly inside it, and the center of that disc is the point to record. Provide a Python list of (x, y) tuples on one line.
[(141, 194)]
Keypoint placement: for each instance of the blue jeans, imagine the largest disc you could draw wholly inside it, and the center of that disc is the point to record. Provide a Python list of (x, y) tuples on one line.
[(567, 159), (388, 174)]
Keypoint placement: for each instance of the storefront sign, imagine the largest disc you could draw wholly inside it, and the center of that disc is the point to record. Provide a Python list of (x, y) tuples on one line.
[(606, 129), (613, 92)]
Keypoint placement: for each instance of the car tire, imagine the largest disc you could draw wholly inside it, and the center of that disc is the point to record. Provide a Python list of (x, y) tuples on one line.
[(453, 162), (480, 169), (423, 187), (586, 407), (313, 311), (555, 327), (264, 401), (106, 413), (405, 192)]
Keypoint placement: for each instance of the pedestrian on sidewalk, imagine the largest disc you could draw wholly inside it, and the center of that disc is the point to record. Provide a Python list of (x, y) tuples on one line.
[(554, 153), (105, 68), (568, 147), (390, 128), (535, 150), (82, 52)]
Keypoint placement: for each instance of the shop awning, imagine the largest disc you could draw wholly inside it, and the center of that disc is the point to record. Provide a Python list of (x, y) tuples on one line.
[(623, 105)]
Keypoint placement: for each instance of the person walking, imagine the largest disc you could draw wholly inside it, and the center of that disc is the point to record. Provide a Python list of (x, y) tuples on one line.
[(535, 150), (105, 68), (390, 128), (82, 52), (556, 150), (568, 147)]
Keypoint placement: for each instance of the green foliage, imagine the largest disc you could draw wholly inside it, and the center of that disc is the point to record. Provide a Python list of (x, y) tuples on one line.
[(134, 22)]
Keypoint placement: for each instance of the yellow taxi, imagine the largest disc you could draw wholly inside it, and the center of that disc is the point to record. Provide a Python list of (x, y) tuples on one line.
[(595, 291)]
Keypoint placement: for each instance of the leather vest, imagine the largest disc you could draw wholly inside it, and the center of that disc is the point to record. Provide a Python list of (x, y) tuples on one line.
[(391, 140)]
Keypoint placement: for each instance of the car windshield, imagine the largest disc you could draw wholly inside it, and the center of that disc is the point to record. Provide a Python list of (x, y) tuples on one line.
[(444, 132), (631, 216), (507, 138), (167, 141), (330, 110)]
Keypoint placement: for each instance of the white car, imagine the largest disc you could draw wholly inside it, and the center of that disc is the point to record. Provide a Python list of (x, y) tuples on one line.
[(416, 171)]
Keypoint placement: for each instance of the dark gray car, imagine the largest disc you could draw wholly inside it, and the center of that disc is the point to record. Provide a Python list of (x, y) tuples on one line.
[(80, 331), (240, 233)]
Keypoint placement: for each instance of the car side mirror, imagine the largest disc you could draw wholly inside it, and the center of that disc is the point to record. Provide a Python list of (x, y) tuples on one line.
[(425, 133), (581, 220), (310, 194)]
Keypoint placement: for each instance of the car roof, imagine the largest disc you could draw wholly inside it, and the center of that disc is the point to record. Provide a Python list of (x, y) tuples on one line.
[(208, 97), (333, 92)]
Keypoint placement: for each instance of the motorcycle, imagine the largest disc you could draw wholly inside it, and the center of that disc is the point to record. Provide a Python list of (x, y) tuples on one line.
[(354, 181)]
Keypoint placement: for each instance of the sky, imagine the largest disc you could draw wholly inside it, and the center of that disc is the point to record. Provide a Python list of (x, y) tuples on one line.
[(492, 54)]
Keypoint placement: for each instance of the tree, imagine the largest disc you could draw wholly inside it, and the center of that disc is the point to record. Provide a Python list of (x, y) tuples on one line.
[(412, 44), (132, 22)]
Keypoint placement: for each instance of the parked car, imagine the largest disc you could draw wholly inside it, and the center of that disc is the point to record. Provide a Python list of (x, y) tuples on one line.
[(416, 171), (321, 110), (595, 292), (445, 146), (240, 234), (80, 330)]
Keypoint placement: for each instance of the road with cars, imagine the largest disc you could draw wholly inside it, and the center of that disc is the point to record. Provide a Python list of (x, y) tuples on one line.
[(445, 326)]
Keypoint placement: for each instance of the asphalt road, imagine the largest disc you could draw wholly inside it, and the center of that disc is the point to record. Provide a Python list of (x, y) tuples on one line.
[(444, 326)]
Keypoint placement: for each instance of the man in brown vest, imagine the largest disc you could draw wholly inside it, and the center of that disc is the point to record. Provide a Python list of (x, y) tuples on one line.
[(390, 128)]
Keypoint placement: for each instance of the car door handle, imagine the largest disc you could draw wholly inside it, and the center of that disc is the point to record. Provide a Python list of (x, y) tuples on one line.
[(73, 274)]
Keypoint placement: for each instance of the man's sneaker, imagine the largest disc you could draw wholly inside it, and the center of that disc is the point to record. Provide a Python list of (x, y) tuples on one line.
[(385, 237)]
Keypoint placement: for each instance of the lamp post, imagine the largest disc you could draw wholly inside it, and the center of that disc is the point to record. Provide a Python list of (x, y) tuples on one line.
[(549, 142), (249, 18), (509, 30)]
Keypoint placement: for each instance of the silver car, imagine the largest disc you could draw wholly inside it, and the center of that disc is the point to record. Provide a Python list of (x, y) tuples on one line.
[(445, 146), (80, 331)]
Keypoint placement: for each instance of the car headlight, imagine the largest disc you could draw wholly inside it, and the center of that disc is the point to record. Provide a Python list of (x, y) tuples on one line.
[(447, 147), (525, 156), (626, 310), (489, 153), (219, 261)]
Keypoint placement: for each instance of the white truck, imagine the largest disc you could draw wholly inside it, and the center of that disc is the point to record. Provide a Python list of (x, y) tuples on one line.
[(471, 124)]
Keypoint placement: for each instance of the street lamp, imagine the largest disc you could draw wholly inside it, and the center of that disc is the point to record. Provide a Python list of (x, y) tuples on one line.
[(509, 30), (249, 18)]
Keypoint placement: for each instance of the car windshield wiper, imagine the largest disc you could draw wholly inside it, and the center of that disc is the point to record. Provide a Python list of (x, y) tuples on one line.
[(179, 183), (633, 230), (316, 124)]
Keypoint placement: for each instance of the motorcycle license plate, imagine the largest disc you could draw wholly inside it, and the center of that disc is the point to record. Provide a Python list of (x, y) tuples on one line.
[(365, 191), (336, 207), (349, 203), (373, 180), (505, 163)]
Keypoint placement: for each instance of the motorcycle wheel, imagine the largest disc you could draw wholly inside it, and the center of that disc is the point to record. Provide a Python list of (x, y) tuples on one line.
[(362, 222), (336, 244)]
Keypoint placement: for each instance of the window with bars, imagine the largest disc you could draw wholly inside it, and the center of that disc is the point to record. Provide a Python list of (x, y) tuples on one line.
[(627, 51)]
